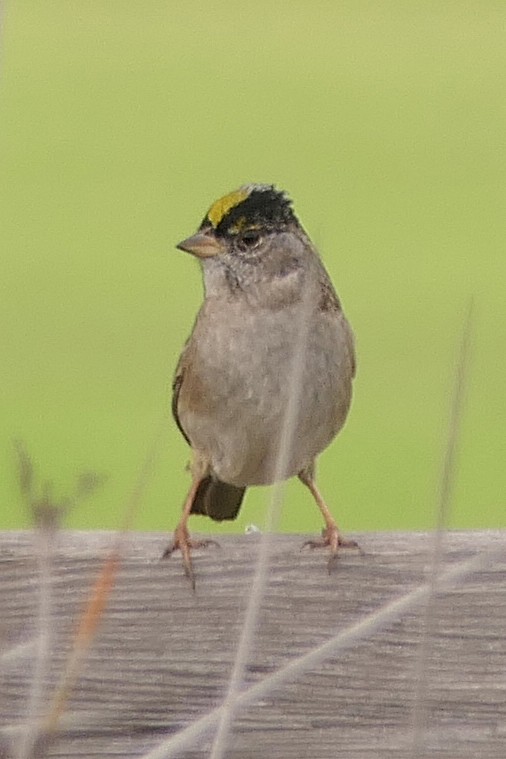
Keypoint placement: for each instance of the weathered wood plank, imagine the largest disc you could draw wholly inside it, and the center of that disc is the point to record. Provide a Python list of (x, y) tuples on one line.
[(163, 655)]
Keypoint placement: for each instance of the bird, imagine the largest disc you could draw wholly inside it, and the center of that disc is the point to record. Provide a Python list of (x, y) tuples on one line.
[(264, 382)]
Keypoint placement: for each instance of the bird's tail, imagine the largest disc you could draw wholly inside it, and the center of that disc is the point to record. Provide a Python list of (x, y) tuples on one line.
[(217, 500)]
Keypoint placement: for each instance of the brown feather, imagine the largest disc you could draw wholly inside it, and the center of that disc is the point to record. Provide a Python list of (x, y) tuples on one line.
[(217, 500)]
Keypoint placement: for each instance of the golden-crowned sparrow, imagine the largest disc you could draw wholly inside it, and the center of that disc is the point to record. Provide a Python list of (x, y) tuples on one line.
[(270, 331)]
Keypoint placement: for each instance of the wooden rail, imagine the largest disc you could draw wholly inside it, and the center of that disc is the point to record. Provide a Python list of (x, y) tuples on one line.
[(162, 655)]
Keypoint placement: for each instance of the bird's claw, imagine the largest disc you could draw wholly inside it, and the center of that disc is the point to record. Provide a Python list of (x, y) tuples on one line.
[(331, 538), (182, 542)]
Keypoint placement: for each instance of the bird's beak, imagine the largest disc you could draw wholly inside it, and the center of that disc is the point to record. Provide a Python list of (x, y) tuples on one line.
[(201, 245)]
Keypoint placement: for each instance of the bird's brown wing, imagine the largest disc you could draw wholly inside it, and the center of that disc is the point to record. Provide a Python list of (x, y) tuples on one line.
[(176, 390), (214, 498), (330, 303), (350, 344)]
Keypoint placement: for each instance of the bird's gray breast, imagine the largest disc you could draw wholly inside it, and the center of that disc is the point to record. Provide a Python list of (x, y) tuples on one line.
[(278, 386)]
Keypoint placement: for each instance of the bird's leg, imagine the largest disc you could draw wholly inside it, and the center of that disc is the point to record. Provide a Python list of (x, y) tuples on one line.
[(182, 540), (330, 536)]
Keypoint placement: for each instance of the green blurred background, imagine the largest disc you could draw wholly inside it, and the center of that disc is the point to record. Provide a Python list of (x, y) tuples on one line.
[(121, 122)]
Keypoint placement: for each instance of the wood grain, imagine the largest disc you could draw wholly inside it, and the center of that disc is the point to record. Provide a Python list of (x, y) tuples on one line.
[(162, 655)]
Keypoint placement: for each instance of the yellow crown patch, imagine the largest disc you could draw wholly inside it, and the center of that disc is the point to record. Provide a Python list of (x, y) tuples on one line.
[(221, 207)]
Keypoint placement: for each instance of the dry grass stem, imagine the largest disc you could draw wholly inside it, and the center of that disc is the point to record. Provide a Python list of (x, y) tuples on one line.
[(419, 712)]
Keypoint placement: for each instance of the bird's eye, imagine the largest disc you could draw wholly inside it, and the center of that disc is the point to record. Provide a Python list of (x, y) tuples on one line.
[(249, 239)]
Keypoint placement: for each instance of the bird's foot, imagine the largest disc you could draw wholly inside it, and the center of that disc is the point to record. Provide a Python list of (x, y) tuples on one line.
[(332, 538), (182, 542)]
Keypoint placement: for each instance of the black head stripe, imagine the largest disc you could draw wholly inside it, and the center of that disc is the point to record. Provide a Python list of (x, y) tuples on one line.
[(264, 208)]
